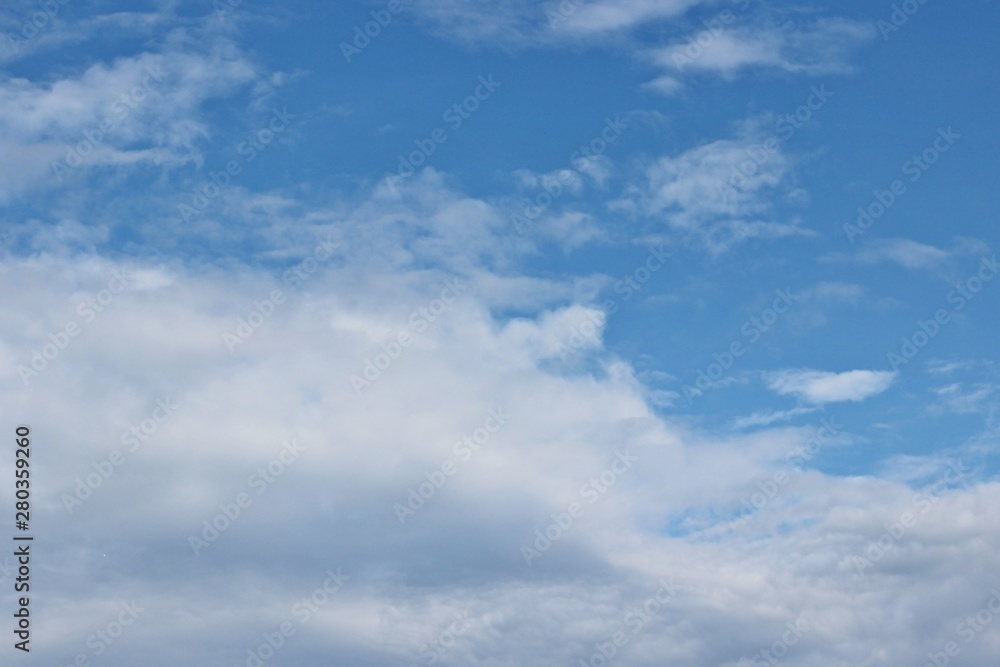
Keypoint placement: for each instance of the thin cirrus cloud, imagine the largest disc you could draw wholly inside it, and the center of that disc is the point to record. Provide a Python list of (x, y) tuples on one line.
[(523, 23), (724, 43), (912, 255), (821, 47), (821, 387)]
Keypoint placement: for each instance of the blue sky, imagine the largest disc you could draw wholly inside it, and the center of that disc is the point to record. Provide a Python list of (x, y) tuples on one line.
[(399, 310)]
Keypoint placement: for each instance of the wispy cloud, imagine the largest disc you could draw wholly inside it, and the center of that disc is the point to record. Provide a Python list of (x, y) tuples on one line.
[(770, 417), (820, 47), (821, 387), (911, 254), (709, 194)]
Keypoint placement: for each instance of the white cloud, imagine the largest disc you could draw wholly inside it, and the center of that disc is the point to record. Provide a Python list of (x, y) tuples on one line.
[(719, 193), (770, 417), (820, 387), (608, 16), (523, 23), (142, 109), (665, 85), (820, 47), (907, 253), (912, 254), (363, 452), (958, 399), (817, 47)]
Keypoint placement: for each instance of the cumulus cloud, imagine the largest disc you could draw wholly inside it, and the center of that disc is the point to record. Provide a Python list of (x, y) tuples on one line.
[(370, 447), (368, 418)]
